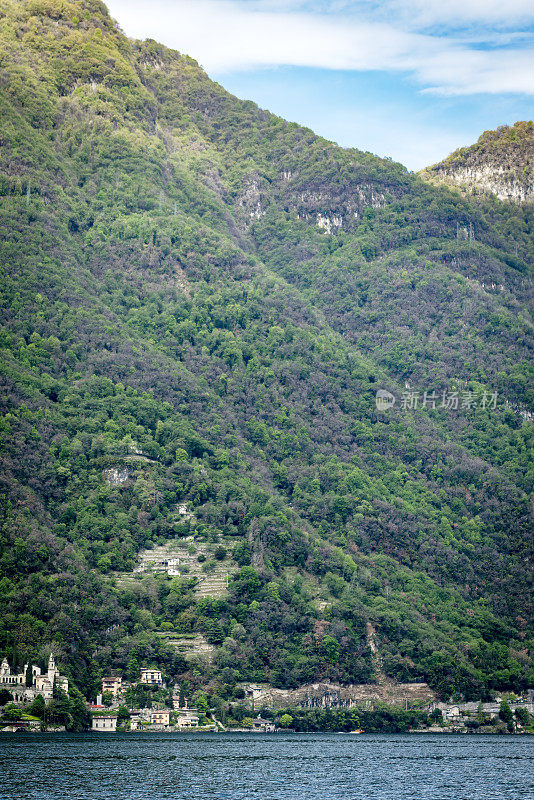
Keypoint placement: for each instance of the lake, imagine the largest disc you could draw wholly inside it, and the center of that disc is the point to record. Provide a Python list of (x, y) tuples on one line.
[(265, 767)]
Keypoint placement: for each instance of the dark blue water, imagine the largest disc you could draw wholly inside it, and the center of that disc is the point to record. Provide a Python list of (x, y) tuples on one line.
[(265, 767)]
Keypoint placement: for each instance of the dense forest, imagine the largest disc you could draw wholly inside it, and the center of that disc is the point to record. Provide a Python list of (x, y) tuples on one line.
[(206, 298)]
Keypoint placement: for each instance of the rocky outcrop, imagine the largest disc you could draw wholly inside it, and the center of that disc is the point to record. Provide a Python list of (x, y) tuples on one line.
[(333, 211), (333, 695), (252, 201), (116, 476), (329, 209), (501, 163)]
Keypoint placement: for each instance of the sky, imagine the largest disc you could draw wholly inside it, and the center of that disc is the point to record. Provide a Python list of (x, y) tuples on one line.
[(408, 79)]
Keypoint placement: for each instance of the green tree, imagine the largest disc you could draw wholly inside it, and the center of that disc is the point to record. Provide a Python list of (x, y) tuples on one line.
[(200, 701), (331, 649), (59, 709), (505, 713), (11, 713), (37, 707), (107, 698), (5, 697), (522, 715), (81, 718)]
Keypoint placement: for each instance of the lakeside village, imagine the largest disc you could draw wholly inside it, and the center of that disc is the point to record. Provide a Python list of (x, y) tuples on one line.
[(38, 700)]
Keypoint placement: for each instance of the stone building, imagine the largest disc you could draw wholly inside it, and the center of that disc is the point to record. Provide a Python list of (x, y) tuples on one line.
[(263, 725), (154, 561), (44, 684), (135, 720), (25, 686), (14, 684)]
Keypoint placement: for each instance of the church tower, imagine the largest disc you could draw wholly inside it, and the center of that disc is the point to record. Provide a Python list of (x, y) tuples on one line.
[(51, 669)]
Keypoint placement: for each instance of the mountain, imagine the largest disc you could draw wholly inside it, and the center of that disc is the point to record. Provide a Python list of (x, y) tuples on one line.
[(200, 302), (501, 162)]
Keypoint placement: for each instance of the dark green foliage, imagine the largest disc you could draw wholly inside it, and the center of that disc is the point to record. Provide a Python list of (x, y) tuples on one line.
[(37, 707), (172, 314), (505, 712), (80, 717), (380, 719), (522, 716), (107, 698), (5, 697)]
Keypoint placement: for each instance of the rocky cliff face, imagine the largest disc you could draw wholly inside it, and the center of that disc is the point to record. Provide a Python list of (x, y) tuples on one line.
[(334, 695), (501, 162)]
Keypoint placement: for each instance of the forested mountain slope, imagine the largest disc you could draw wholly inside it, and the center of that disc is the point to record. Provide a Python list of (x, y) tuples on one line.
[(204, 299)]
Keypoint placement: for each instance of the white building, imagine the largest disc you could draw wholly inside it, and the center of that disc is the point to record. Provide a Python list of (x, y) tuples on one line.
[(104, 723), (151, 677), (44, 684), (13, 683), (40, 683), (187, 718), (263, 725)]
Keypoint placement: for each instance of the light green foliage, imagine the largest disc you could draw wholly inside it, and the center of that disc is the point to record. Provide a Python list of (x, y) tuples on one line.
[(285, 721)]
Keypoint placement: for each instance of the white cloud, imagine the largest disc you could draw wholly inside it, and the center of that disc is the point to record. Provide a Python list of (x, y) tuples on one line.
[(460, 12), (228, 35)]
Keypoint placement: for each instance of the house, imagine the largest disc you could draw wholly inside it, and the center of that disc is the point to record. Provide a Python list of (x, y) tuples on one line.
[(176, 704), (151, 563), (104, 723), (7, 679), (151, 677), (135, 720), (160, 718), (187, 718), (263, 725), (253, 691), (451, 713), (112, 684)]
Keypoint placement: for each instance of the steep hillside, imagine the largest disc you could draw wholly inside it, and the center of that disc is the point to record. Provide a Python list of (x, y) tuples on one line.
[(501, 163), (199, 304)]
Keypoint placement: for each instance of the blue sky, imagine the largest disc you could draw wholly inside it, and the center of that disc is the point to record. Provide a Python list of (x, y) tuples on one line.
[(409, 79)]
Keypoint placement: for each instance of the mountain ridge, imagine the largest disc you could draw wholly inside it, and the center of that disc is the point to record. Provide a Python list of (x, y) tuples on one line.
[(501, 162)]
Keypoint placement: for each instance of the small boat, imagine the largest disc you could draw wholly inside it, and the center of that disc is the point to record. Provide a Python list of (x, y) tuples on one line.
[(358, 730)]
